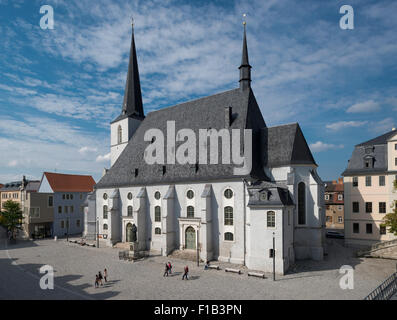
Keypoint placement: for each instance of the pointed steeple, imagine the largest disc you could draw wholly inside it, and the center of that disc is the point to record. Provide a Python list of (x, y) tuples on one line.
[(132, 105), (245, 68)]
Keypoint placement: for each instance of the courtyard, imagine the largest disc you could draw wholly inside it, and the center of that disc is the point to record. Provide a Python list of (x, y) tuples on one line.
[(75, 268)]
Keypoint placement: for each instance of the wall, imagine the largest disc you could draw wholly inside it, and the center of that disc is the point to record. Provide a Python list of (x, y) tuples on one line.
[(78, 213)]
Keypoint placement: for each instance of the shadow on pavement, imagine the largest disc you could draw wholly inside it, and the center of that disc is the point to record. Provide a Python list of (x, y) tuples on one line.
[(23, 282)]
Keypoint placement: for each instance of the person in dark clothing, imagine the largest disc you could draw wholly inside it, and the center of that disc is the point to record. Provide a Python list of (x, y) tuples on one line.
[(166, 270), (96, 281), (186, 273), (100, 278), (105, 274)]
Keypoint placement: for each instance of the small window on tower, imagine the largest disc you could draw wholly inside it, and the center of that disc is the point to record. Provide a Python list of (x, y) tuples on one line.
[(119, 135)]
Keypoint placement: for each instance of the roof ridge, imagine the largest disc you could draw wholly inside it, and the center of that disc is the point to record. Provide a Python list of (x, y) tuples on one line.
[(194, 100), (376, 138), (284, 125)]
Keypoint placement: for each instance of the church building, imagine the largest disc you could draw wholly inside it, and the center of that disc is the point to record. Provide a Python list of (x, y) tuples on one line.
[(207, 208)]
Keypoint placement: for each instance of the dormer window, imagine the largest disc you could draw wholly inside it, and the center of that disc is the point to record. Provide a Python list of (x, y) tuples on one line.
[(369, 162)]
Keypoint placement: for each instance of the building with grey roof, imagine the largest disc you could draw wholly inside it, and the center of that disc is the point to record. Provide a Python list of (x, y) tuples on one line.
[(369, 183), (223, 205)]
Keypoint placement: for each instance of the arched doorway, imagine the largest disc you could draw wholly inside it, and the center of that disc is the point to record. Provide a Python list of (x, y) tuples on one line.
[(190, 238), (129, 233)]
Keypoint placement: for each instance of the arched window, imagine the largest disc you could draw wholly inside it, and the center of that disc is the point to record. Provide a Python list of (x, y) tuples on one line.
[(271, 219), (190, 194), (228, 194), (105, 212), (157, 195), (105, 226), (301, 203), (190, 212), (229, 236), (129, 211), (119, 135), (105, 196), (129, 196), (157, 214), (228, 216), (157, 231)]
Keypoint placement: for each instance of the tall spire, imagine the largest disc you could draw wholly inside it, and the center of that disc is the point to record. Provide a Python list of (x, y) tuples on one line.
[(245, 68), (132, 105)]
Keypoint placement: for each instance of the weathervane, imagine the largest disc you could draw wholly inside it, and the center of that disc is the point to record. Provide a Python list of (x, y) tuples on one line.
[(244, 16), (132, 21)]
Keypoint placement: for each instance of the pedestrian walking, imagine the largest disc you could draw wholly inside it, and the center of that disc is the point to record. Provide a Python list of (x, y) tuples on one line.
[(170, 267), (186, 273), (100, 278), (96, 281), (105, 274), (166, 270)]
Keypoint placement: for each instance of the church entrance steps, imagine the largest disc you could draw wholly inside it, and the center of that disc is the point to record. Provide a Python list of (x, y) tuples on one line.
[(189, 255), (122, 245)]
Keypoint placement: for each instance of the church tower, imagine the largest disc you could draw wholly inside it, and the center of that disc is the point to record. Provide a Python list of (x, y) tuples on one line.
[(124, 126)]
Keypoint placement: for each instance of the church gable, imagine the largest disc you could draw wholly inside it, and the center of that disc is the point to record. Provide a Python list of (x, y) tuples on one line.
[(287, 146)]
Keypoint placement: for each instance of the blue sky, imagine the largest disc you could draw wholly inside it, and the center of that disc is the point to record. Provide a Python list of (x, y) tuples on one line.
[(59, 89)]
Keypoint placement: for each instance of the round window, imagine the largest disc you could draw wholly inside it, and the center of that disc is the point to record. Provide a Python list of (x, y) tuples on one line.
[(157, 195), (129, 196), (105, 196), (190, 194), (228, 194)]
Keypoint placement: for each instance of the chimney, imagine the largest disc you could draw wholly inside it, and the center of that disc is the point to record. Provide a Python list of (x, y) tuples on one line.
[(340, 180), (333, 181), (228, 117)]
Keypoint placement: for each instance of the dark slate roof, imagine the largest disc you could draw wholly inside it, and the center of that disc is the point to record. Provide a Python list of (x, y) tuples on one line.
[(377, 149), (287, 146), (379, 140), (204, 113), (29, 185), (274, 195)]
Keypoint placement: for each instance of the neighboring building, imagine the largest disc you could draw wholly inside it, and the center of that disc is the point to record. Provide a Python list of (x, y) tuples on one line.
[(334, 204), (38, 215), (228, 217), (67, 194), (18, 191), (369, 189), (90, 217)]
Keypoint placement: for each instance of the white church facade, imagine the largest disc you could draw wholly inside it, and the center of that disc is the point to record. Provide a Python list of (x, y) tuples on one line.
[(206, 208)]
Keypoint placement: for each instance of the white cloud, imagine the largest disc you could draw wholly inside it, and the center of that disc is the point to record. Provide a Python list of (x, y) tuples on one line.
[(321, 146), (85, 150), (104, 158), (366, 106), (345, 124)]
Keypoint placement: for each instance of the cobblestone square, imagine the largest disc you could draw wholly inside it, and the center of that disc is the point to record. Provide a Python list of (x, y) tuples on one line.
[(75, 268)]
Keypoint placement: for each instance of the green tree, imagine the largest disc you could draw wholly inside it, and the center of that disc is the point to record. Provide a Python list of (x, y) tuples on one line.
[(11, 216), (391, 218)]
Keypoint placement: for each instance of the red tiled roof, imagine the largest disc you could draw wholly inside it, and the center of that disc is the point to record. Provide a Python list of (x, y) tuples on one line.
[(70, 182)]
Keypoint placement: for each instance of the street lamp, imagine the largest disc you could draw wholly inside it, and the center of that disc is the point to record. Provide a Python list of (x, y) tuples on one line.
[(97, 232), (274, 258)]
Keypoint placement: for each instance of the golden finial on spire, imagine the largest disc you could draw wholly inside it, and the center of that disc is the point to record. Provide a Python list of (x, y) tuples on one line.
[(244, 16), (132, 21)]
